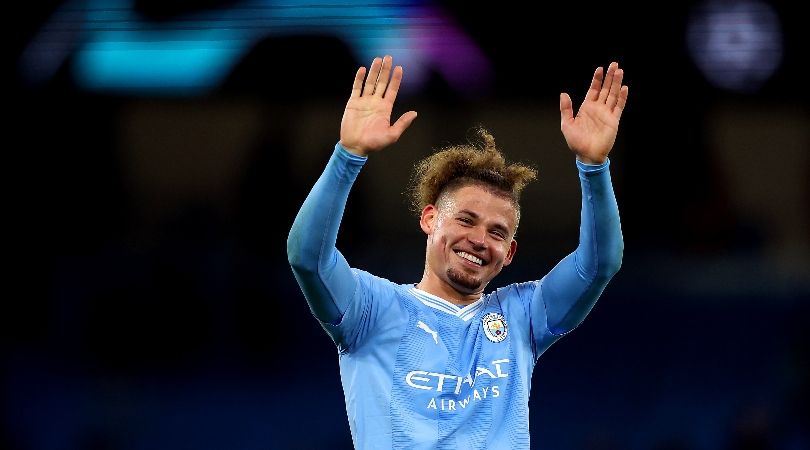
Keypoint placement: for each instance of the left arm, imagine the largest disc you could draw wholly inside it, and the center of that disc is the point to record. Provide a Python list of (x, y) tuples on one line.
[(569, 292)]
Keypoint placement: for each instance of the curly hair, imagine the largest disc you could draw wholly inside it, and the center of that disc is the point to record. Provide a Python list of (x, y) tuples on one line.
[(459, 165)]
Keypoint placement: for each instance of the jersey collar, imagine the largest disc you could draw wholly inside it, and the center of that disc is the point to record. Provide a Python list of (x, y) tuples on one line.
[(464, 313)]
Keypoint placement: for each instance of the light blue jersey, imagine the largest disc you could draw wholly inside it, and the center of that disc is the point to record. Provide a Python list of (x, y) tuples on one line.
[(421, 372)]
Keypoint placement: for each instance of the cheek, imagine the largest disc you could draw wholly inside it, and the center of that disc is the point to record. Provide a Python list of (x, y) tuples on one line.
[(439, 234), (502, 251), (440, 241)]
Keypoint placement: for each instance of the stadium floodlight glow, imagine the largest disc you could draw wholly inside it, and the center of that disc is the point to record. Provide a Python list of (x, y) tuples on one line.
[(736, 44)]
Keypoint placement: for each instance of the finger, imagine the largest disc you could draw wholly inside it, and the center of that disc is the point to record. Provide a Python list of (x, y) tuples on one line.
[(606, 83), (566, 108), (615, 89), (385, 74), (393, 87), (357, 86), (371, 79), (621, 101), (402, 124), (596, 84)]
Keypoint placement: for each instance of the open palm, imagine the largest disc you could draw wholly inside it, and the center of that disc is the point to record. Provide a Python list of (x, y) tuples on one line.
[(592, 132), (366, 126)]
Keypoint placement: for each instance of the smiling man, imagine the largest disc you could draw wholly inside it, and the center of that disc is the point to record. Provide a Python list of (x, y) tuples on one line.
[(441, 363)]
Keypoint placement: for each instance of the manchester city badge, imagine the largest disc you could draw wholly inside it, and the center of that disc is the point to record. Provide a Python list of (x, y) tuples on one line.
[(494, 327)]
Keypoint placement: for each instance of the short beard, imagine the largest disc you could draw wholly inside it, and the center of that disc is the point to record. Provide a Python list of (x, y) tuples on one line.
[(464, 280)]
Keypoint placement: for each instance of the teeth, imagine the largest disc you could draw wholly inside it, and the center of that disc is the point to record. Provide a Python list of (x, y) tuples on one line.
[(472, 258)]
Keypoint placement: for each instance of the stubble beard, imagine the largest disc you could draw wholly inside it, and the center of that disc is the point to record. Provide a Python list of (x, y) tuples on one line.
[(463, 280)]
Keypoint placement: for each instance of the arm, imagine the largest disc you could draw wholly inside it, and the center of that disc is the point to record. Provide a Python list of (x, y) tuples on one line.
[(322, 273), (570, 290)]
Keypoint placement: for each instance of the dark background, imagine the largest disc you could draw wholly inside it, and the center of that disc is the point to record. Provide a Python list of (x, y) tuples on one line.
[(150, 304)]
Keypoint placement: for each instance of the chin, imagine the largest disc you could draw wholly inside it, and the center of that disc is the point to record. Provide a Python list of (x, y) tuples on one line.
[(464, 283)]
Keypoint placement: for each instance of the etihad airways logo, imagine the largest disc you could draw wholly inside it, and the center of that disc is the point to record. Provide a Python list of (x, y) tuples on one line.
[(444, 382)]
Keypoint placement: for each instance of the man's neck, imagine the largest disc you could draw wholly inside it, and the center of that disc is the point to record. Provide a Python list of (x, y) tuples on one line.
[(445, 291)]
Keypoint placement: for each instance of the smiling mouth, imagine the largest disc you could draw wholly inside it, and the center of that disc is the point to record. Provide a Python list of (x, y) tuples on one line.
[(471, 258)]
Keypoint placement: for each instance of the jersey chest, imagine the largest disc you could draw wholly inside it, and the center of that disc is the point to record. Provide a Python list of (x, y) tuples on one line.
[(445, 360)]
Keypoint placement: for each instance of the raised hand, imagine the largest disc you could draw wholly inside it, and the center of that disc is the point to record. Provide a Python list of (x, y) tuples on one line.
[(592, 132), (366, 125)]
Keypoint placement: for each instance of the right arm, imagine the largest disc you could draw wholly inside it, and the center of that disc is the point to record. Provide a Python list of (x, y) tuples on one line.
[(322, 272)]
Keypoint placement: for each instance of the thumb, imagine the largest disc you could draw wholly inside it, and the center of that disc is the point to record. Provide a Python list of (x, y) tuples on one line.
[(566, 108), (402, 123)]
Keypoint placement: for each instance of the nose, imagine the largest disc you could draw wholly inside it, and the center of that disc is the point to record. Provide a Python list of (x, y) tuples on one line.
[(477, 237)]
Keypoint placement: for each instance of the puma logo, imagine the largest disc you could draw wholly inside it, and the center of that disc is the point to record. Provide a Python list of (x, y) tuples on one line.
[(423, 326)]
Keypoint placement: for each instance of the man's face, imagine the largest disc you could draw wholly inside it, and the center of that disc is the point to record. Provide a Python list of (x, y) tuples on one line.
[(470, 237)]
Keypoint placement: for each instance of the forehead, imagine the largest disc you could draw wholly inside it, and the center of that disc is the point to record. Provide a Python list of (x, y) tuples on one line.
[(481, 201)]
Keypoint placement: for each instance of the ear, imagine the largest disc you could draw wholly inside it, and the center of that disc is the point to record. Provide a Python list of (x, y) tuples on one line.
[(428, 218), (511, 253)]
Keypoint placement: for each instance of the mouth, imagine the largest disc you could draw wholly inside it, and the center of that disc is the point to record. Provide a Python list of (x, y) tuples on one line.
[(478, 261)]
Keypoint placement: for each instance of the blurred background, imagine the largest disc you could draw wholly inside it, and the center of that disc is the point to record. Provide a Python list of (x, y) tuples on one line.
[(160, 150)]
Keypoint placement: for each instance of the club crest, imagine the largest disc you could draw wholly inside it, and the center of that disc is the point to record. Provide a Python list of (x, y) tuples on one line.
[(494, 327)]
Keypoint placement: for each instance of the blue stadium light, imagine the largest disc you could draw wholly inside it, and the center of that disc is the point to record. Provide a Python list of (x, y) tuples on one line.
[(116, 49)]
